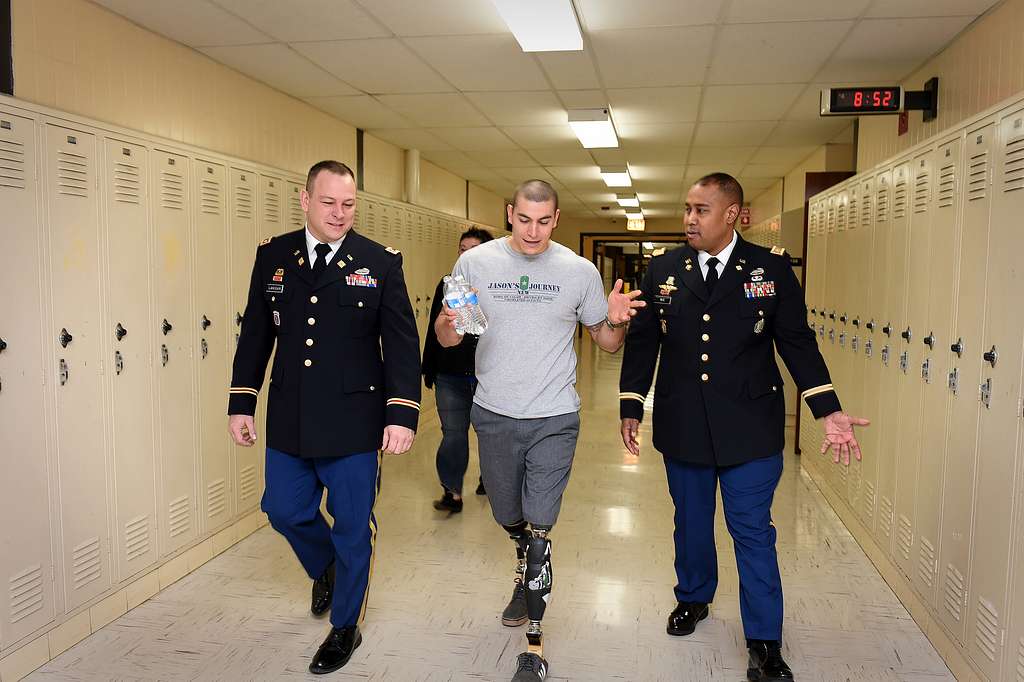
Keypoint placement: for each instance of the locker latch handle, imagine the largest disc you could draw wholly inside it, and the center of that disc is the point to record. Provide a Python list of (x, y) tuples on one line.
[(832, 315), (871, 326), (65, 338), (887, 330), (118, 362), (165, 355), (65, 372), (856, 322), (238, 319), (991, 356), (906, 334), (3, 345), (814, 311), (958, 347), (206, 348), (166, 327), (205, 323), (842, 318), (930, 340), (120, 331)]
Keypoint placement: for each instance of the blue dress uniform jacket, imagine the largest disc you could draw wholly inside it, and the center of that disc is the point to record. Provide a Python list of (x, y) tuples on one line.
[(718, 399), (347, 360)]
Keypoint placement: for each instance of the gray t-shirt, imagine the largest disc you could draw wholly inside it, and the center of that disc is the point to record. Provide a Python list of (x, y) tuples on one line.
[(525, 361)]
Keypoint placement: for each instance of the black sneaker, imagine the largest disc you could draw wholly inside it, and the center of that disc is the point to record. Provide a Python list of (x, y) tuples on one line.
[(480, 487), (531, 668), (514, 614), (448, 503)]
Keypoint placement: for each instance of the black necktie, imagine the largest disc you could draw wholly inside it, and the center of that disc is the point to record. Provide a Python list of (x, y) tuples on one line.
[(712, 279), (323, 252)]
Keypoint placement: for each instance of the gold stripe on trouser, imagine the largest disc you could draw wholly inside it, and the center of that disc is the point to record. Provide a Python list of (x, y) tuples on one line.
[(373, 539)]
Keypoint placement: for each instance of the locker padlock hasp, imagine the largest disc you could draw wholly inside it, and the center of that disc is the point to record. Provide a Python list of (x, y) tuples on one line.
[(876, 100)]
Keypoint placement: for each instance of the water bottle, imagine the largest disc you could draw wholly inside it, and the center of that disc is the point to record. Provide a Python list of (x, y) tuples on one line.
[(456, 301), (477, 321)]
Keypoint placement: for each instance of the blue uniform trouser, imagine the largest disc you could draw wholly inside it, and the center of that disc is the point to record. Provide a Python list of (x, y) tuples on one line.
[(294, 489), (747, 491)]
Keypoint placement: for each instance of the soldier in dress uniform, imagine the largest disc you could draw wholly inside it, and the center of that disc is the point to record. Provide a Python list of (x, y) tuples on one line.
[(717, 311), (344, 387)]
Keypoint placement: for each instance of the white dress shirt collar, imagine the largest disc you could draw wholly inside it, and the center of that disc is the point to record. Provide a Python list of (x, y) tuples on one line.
[(723, 257), (311, 243)]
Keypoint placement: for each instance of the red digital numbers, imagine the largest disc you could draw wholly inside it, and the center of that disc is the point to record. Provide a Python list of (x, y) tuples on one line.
[(858, 99), (887, 100)]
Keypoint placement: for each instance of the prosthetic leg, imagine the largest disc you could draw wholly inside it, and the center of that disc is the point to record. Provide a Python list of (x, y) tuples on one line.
[(515, 614), (538, 587)]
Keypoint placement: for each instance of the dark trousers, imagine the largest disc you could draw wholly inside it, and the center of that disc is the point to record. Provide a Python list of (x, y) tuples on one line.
[(747, 491), (454, 395), (294, 489)]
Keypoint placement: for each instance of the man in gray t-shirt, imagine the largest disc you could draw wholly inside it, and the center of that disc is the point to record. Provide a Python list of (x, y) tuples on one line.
[(526, 410)]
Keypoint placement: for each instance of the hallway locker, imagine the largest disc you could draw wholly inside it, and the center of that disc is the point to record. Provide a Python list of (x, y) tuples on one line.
[(26, 559), (958, 488), (294, 217), (128, 337), (211, 327), (271, 203), (174, 351), (72, 218)]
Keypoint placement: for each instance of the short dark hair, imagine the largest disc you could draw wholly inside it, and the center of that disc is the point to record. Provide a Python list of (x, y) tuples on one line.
[(726, 184), (535, 190), (336, 167), (474, 232)]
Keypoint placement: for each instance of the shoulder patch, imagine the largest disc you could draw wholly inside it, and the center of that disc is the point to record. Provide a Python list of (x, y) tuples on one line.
[(266, 241), (778, 251), (391, 249)]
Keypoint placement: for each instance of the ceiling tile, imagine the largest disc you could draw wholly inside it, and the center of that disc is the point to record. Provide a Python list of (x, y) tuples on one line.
[(723, 155), (411, 138), (643, 173), (657, 135), (362, 111), (784, 155), (449, 158), (657, 155), (807, 133), (483, 63), (754, 184), (521, 108), (561, 157), (570, 175), (930, 8), (282, 68), (513, 158), (661, 197), (583, 99), (600, 15), (516, 175), (381, 65), (610, 157), (475, 139), (700, 170), (734, 134), (748, 102), (437, 17), (196, 23), (767, 170), (307, 19), (783, 53), (440, 110), (750, 11), (558, 137), (569, 69), (663, 56), (654, 105)]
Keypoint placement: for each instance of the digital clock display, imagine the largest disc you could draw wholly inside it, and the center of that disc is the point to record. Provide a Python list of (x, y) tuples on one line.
[(843, 101)]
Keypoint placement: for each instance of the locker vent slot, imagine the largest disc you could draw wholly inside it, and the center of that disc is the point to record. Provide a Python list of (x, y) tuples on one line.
[(947, 182), (954, 599), (1013, 166), (136, 538), (209, 197), (85, 563), (247, 482), (885, 516), (1020, 660), (172, 190), (831, 220), (179, 516), (384, 224), (899, 201), (216, 500), (12, 164), (127, 187), (271, 207), (851, 220), (883, 206), (986, 631), (869, 499), (72, 174), (243, 203), (296, 218), (865, 212), (977, 177), (905, 538), (926, 564), (26, 593), (922, 192)]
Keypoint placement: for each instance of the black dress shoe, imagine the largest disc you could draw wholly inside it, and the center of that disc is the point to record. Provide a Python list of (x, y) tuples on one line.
[(684, 618), (448, 503), (480, 490), (766, 664), (336, 650), (323, 592)]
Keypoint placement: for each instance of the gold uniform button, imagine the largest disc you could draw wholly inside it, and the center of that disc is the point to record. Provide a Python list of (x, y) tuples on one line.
[(704, 357), (761, 313), (273, 298), (707, 318), (360, 304), (309, 342), (705, 337), (704, 377), (308, 363), (775, 388), (373, 388), (313, 299), (311, 321)]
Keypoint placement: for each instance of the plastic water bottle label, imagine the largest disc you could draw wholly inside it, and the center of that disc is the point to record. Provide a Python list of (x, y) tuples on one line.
[(471, 298)]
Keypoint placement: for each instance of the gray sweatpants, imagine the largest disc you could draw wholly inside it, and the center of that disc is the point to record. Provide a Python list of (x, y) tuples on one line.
[(525, 464)]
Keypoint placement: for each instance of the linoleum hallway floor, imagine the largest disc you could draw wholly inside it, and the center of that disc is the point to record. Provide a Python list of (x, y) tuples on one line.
[(439, 585)]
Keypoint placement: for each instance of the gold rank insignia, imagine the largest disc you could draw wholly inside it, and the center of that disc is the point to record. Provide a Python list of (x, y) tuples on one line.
[(668, 287), (392, 250), (302, 261), (778, 251), (266, 241), (297, 252), (664, 327), (342, 263), (279, 271)]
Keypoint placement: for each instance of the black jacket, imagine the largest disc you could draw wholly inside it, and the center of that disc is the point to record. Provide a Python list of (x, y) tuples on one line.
[(347, 360), (459, 360), (718, 399)]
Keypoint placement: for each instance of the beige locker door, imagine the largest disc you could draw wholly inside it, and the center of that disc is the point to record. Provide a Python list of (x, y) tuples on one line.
[(941, 294), (243, 241), (911, 357), (271, 206), (212, 326), (295, 219), (958, 488), (842, 284), (174, 351), (1000, 415), (26, 557), (72, 216), (1015, 639), (129, 337)]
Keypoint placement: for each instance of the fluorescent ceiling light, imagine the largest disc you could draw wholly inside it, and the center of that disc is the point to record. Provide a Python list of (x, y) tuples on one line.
[(635, 215), (593, 127), (616, 176), (542, 25), (649, 245), (628, 200)]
